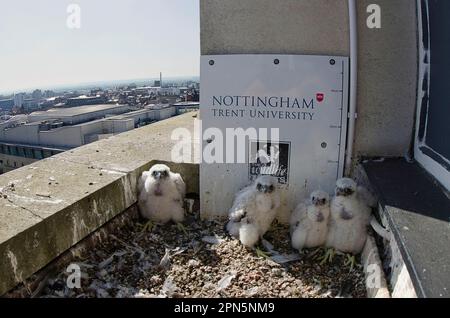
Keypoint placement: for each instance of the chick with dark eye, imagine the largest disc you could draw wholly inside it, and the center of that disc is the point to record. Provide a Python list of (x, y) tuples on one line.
[(161, 196), (344, 192), (258, 203), (309, 221), (265, 188), (160, 174), (350, 216)]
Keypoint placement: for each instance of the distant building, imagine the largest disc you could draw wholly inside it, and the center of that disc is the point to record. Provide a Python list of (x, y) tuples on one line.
[(6, 104), (37, 94), (30, 105), (49, 94), (19, 99), (85, 100), (183, 107), (28, 138), (13, 156), (183, 90), (170, 91)]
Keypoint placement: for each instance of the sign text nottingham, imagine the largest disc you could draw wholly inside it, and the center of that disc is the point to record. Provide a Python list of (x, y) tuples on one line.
[(269, 107)]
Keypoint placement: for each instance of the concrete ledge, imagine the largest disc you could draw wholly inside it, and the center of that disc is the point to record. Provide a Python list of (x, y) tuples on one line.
[(33, 286), (375, 280), (416, 210), (51, 205)]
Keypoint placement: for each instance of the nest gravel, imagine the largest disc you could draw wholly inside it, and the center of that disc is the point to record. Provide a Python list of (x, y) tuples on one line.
[(203, 261)]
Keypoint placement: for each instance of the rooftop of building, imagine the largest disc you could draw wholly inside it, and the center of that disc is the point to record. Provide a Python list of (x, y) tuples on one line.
[(74, 111), (84, 97), (187, 104)]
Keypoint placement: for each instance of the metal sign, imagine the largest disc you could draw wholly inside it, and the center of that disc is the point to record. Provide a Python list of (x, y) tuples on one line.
[(300, 100)]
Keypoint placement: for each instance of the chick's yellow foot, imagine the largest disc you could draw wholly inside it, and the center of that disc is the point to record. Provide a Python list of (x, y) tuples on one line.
[(315, 254), (350, 261), (261, 253), (181, 227), (148, 227), (328, 256)]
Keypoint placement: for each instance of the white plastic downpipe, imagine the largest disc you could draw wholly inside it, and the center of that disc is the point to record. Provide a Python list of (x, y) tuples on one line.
[(353, 83)]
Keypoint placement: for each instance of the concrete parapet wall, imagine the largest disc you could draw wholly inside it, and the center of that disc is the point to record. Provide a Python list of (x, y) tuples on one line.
[(51, 205)]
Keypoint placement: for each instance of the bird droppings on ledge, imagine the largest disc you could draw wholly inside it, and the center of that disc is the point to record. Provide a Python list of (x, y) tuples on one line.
[(205, 262)]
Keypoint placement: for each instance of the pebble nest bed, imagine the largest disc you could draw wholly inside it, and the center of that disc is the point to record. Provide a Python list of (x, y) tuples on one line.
[(204, 261)]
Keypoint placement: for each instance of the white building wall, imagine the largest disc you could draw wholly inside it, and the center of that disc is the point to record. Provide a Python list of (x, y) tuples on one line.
[(75, 136), (120, 126), (24, 134), (387, 70), (166, 113), (69, 136)]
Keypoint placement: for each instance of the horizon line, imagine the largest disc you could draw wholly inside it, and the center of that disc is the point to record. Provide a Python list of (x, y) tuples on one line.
[(89, 83)]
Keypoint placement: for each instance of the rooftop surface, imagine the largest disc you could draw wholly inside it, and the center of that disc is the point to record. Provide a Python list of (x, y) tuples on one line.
[(74, 111), (204, 261)]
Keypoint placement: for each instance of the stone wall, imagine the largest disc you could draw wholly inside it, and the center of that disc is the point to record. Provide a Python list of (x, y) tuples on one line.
[(387, 70), (51, 205)]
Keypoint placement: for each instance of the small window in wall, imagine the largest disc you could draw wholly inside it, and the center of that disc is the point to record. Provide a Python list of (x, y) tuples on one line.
[(14, 151), (38, 154), (47, 153), (21, 152), (432, 144), (29, 153)]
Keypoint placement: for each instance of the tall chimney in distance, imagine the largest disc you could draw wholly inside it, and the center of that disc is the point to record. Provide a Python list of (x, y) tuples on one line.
[(160, 79)]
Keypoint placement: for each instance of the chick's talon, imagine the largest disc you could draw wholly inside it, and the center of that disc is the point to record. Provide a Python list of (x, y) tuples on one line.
[(182, 228), (328, 256), (350, 261), (148, 227), (261, 253)]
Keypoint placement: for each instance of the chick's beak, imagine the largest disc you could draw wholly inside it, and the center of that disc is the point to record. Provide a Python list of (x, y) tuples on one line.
[(266, 189)]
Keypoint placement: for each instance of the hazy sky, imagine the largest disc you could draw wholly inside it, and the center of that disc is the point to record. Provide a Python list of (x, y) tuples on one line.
[(118, 39)]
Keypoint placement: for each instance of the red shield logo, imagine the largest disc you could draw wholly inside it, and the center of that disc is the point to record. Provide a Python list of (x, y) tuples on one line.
[(320, 97)]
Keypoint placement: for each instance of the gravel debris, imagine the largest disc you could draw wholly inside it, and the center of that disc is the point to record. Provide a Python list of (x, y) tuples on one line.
[(205, 262)]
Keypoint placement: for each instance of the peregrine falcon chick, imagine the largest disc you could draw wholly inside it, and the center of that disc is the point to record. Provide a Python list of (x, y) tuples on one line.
[(161, 195), (350, 218), (253, 210), (309, 221)]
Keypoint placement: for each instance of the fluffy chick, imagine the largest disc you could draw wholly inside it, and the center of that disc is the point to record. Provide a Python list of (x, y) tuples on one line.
[(253, 210), (161, 195), (309, 221), (350, 217)]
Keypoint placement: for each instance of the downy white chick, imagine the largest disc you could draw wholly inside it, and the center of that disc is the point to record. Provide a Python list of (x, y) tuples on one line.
[(349, 221), (253, 210), (161, 195), (309, 221)]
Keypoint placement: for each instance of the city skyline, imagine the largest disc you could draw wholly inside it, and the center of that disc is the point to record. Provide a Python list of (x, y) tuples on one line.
[(43, 53), (99, 84)]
